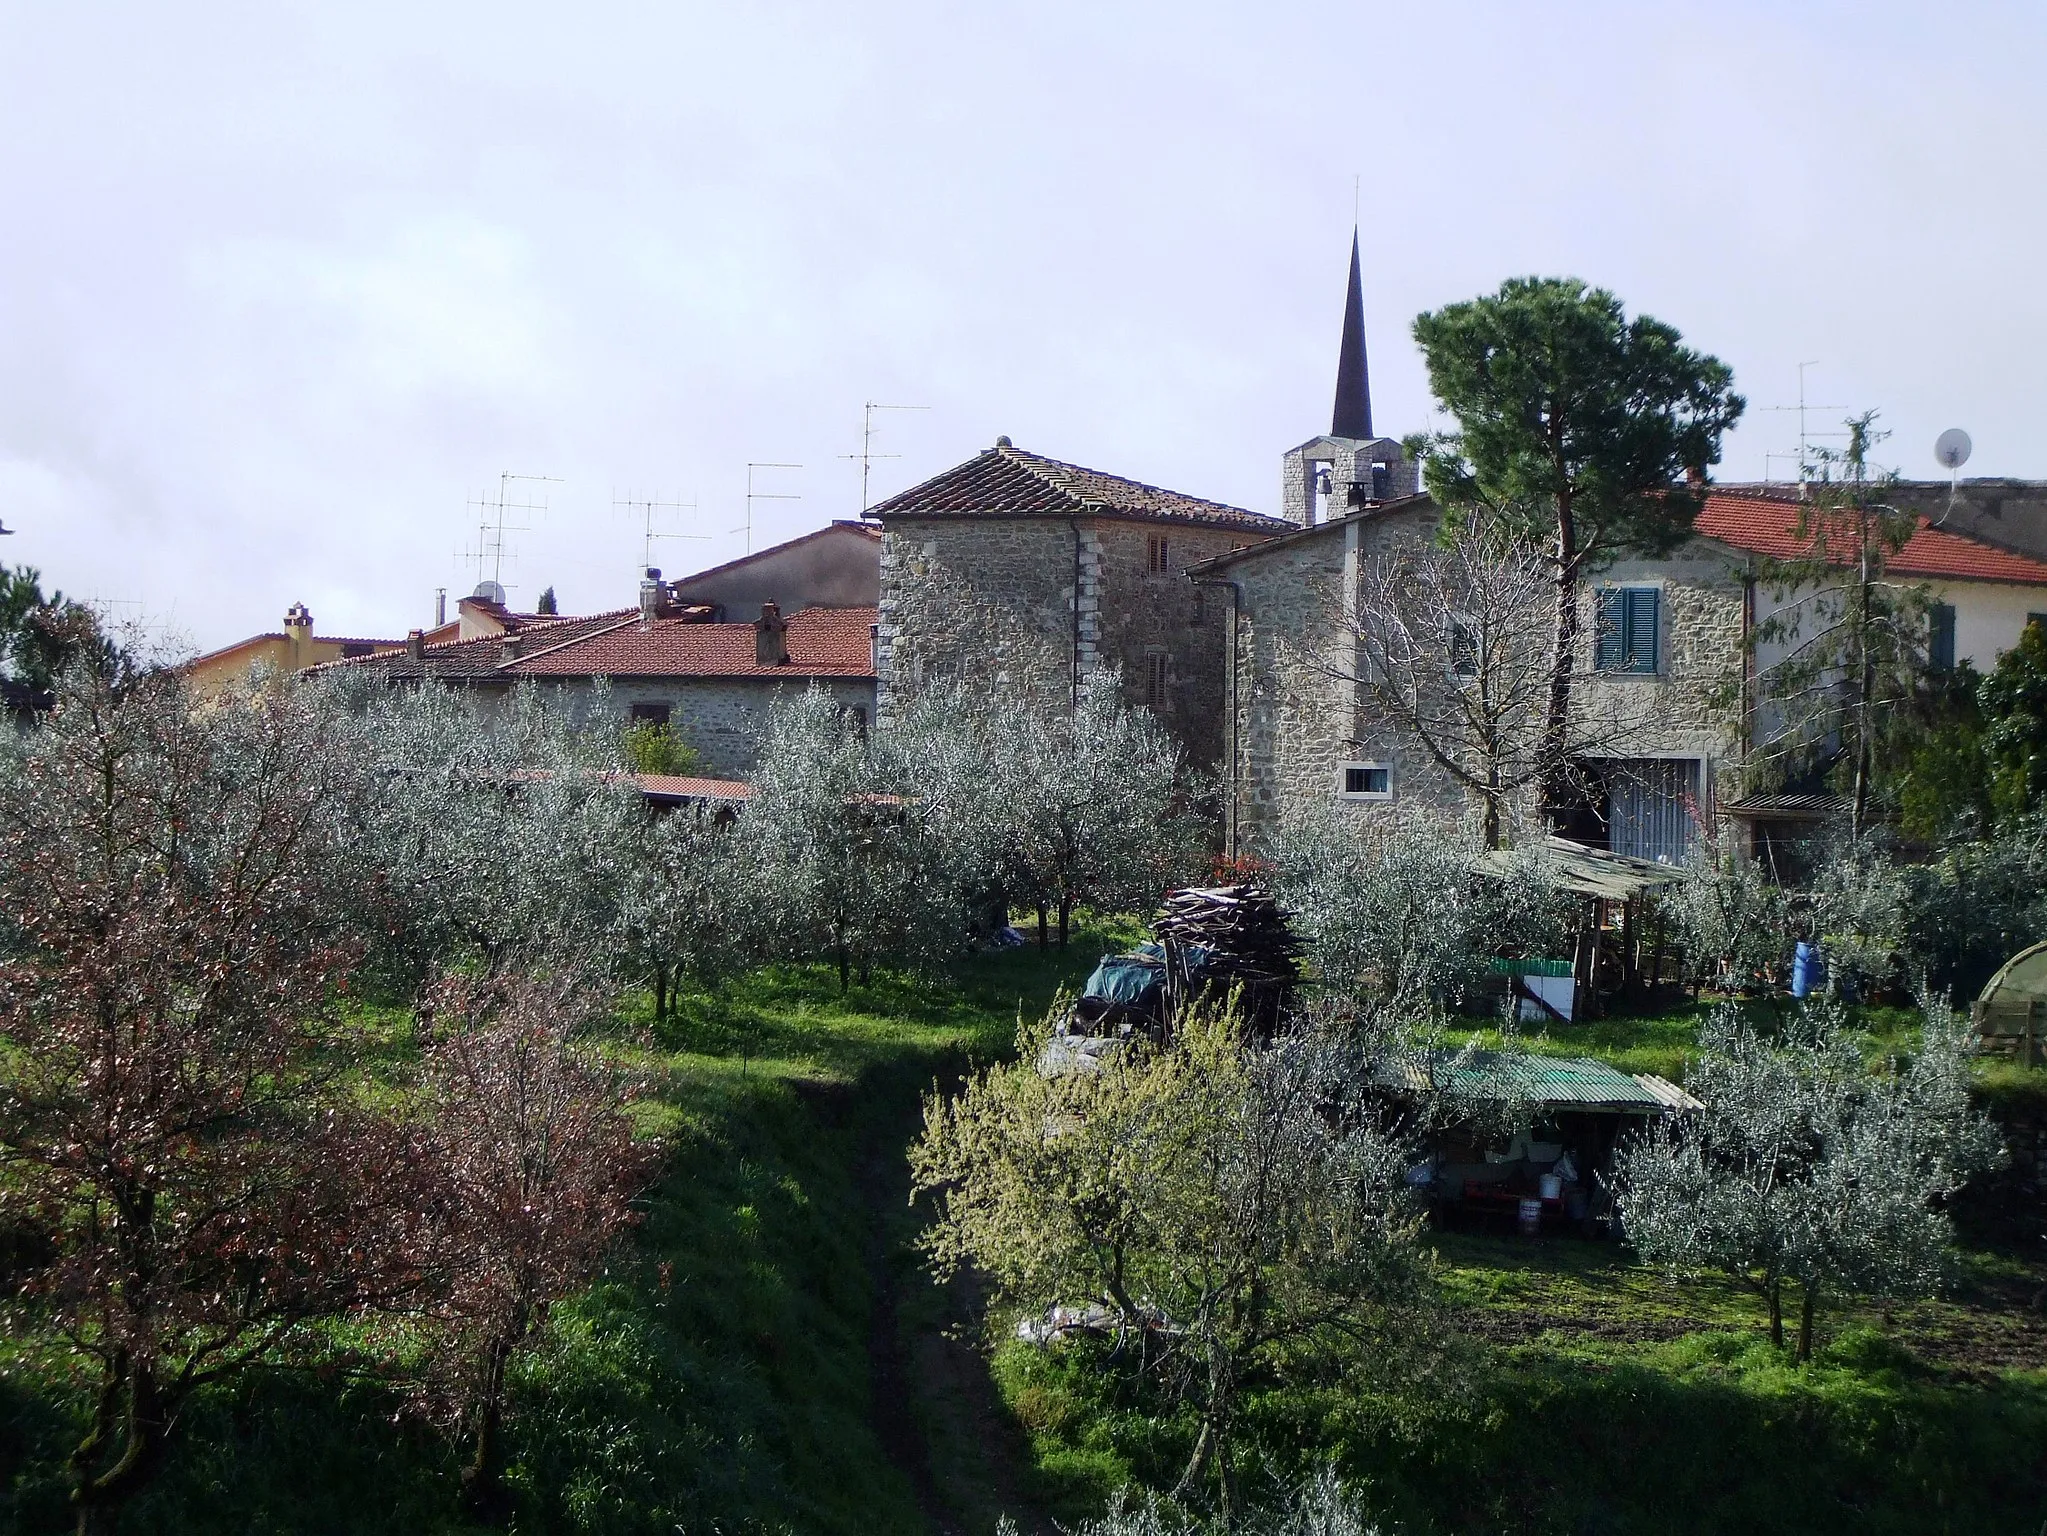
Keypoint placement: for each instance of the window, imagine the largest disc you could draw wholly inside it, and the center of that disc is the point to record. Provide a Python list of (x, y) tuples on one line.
[(1940, 643), (650, 714), (1627, 638), (2039, 619), (1463, 649), (1367, 781), (1157, 555), (1155, 680)]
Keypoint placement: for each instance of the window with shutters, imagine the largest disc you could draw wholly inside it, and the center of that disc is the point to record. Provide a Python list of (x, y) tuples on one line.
[(1940, 646), (1155, 680), (1158, 555), (1629, 620)]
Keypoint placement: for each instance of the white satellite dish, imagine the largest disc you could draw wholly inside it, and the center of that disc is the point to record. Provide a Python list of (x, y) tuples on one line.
[(489, 592), (1952, 448)]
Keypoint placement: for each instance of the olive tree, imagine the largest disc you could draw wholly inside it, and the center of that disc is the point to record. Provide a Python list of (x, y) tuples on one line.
[(1804, 1168), (848, 869), (1729, 915), (689, 902), (496, 828), (1235, 1207), (1399, 908)]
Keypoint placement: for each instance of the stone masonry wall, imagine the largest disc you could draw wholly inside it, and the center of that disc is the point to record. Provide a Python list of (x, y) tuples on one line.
[(1296, 725), (1027, 605), (725, 719)]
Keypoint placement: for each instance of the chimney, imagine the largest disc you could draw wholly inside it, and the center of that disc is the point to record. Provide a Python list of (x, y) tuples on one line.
[(654, 597), (770, 642), (415, 645), (440, 606), (514, 643), (1695, 476)]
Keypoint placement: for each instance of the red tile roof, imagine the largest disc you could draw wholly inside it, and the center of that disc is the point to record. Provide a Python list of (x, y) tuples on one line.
[(822, 642), (1007, 481), (671, 786), (1768, 525)]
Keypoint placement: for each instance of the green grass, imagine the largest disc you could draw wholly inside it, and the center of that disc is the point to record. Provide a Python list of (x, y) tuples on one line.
[(765, 1354), (721, 1376)]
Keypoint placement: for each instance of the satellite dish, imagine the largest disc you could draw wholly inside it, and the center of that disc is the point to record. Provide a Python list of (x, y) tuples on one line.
[(491, 592), (1952, 448)]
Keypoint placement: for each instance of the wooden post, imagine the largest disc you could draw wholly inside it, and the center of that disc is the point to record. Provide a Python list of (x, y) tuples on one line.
[(2031, 1058)]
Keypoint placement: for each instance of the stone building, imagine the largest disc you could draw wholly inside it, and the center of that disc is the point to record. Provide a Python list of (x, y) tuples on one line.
[(1024, 575), (1665, 670)]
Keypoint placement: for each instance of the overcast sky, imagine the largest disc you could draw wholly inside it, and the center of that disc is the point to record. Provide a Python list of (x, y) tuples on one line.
[(284, 289)]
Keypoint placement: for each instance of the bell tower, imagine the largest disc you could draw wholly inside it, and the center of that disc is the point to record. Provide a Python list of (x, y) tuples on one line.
[(1350, 468)]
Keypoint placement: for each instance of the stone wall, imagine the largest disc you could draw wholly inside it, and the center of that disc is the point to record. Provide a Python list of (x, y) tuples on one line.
[(725, 719), (1296, 724), (1031, 605)]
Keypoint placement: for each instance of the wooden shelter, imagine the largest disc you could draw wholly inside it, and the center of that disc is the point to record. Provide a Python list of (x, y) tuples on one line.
[(1620, 939)]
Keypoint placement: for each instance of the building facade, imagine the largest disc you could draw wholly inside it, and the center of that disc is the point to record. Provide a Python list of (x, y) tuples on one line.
[(1024, 575)]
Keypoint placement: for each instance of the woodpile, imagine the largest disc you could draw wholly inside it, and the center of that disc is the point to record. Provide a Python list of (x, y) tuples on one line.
[(1228, 937)]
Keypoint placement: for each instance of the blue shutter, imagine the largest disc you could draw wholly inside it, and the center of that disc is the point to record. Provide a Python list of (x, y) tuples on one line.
[(1940, 650), (1608, 646), (1643, 605)]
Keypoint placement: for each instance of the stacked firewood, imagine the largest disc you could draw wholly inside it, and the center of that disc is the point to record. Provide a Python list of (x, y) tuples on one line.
[(1231, 936)]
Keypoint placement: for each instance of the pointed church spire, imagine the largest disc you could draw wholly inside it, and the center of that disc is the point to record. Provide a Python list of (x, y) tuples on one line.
[(1353, 417)]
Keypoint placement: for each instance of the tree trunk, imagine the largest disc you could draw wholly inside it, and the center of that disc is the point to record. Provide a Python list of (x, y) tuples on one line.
[(1065, 917), (1805, 1312), (845, 968), (483, 1492), (1190, 1478), (129, 1396), (1553, 771), (660, 995), (1044, 928), (1775, 1291)]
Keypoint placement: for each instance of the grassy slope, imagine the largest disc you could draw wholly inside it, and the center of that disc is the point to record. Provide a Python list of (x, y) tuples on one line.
[(1584, 1393), (732, 1391)]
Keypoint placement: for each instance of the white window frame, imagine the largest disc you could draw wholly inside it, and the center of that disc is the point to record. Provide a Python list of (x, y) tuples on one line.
[(1343, 773)]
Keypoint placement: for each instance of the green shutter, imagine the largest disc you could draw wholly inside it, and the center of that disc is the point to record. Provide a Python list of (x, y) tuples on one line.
[(1643, 605), (1940, 650), (1608, 646)]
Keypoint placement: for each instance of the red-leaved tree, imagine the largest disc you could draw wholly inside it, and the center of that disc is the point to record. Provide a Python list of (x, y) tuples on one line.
[(539, 1169), (175, 1131)]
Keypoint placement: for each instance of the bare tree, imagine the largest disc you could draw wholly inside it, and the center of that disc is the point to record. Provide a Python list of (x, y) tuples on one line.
[(1449, 641), (539, 1170), (170, 969)]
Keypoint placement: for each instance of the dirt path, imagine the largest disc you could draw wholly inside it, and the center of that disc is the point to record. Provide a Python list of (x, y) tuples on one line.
[(936, 1411)]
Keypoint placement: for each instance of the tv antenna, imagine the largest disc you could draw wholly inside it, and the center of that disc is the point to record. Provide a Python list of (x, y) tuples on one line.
[(492, 526), (1952, 448), (753, 495), (1805, 438), (867, 455), (649, 509)]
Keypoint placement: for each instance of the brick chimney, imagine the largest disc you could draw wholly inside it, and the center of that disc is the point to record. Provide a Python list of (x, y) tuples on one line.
[(770, 637), (415, 645), (512, 645)]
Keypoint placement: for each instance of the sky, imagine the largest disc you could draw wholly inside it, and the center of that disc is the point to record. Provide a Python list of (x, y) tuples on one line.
[(287, 290)]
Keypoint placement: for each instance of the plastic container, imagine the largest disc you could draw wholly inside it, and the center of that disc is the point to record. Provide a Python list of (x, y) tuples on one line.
[(1530, 1217), (1551, 1186), (1808, 969)]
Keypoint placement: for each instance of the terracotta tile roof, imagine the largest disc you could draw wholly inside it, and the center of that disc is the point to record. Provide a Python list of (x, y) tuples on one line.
[(1007, 481), (822, 642), (1768, 525), (457, 659), (670, 786)]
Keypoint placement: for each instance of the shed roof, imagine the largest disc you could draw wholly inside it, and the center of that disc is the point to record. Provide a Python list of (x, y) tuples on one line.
[(2023, 976), (1577, 1082), (1583, 870)]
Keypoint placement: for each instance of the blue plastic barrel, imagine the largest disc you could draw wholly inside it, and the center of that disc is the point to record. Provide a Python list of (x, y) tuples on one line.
[(1808, 969)]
